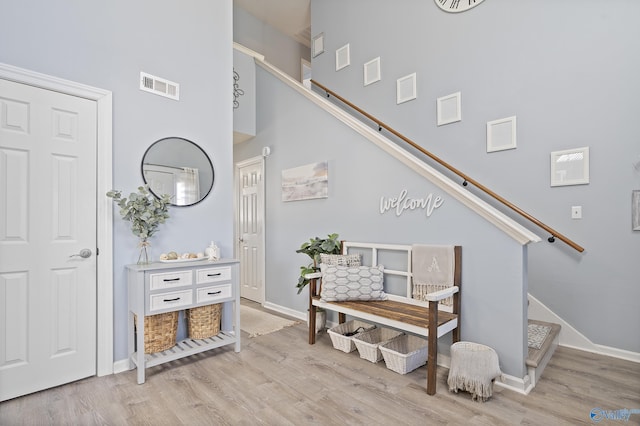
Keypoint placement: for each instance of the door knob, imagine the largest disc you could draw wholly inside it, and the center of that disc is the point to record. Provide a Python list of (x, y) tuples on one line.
[(84, 253)]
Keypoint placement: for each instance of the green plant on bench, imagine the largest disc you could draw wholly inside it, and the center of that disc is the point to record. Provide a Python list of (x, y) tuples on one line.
[(313, 248)]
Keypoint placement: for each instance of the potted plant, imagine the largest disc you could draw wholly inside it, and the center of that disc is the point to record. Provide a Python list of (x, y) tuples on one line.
[(313, 248), (145, 212)]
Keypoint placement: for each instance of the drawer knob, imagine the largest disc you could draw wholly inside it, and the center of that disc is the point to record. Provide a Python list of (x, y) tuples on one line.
[(171, 300), (211, 293)]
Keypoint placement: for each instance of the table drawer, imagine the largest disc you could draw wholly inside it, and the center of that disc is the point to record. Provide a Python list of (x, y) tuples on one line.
[(170, 300), (213, 275), (213, 293), (170, 279)]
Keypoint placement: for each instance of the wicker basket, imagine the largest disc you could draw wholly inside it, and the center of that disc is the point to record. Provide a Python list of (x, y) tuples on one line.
[(204, 321), (345, 343), (159, 331), (368, 342), (404, 354)]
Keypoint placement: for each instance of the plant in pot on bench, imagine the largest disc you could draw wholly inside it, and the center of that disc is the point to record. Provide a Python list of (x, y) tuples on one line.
[(313, 248)]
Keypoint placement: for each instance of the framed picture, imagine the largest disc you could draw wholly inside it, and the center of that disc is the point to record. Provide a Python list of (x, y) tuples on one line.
[(372, 71), (406, 88), (570, 167), (501, 134), (449, 109), (306, 182), (343, 57), (317, 45), (635, 210)]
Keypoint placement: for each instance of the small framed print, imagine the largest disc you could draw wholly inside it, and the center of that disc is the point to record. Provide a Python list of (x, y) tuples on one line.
[(406, 88), (570, 167), (635, 210), (343, 57), (372, 71), (501, 134), (317, 45), (449, 109)]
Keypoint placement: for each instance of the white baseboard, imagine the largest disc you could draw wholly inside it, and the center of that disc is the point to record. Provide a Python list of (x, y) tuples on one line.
[(121, 366), (572, 338), (516, 384)]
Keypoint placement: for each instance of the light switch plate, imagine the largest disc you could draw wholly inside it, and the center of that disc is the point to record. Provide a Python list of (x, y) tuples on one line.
[(576, 212)]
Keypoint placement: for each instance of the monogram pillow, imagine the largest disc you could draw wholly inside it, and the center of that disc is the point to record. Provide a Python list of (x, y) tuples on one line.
[(342, 283)]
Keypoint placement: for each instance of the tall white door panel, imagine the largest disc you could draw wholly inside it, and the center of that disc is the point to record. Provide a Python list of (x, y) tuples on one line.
[(251, 229), (47, 219)]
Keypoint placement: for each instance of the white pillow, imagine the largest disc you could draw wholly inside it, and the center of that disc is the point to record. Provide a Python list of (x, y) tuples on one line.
[(342, 283), (340, 259)]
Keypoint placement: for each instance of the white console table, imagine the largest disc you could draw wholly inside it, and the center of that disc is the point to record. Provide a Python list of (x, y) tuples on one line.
[(166, 287)]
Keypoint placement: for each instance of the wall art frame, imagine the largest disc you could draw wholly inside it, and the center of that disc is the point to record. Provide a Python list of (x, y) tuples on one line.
[(406, 88), (317, 45), (449, 109), (501, 134), (343, 57), (306, 182), (371, 71), (635, 210), (570, 167)]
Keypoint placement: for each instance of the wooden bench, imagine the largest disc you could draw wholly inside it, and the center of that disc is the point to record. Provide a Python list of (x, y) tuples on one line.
[(430, 318)]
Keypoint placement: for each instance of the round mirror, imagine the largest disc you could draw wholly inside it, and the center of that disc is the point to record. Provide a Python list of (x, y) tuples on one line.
[(180, 168)]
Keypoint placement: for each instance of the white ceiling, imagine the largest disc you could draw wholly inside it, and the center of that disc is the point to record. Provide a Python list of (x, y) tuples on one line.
[(291, 17)]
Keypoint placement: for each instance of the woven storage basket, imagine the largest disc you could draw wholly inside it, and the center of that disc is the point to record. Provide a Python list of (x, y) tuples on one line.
[(204, 321), (159, 331), (345, 343), (404, 354), (368, 342)]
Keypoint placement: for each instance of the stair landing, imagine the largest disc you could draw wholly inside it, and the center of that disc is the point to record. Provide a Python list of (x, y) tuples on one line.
[(537, 359)]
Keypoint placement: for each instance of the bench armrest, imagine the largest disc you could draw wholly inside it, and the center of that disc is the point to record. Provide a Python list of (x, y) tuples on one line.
[(313, 275), (436, 296)]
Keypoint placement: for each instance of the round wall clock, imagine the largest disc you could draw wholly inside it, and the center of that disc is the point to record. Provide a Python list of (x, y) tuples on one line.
[(455, 6)]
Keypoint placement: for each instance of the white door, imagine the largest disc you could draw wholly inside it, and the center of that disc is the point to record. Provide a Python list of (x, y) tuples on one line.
[(48, 171), (250, 226)]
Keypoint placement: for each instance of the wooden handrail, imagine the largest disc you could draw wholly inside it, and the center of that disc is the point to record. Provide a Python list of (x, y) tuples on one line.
[(554, 234)]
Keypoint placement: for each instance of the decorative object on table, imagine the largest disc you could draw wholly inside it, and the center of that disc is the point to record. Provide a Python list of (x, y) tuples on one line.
[(213, 251), (172, 256), (314, 248), (145, 212), (474, 367)]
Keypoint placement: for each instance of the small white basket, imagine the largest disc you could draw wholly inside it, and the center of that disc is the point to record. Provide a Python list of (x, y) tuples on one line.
[(345, 343), (368, 342), (404, 354)]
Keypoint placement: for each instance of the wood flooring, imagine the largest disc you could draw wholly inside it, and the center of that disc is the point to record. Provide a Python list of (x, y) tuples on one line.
[(279, 379)]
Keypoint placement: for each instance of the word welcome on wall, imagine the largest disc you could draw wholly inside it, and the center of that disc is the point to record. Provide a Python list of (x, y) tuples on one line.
[(402, 203)]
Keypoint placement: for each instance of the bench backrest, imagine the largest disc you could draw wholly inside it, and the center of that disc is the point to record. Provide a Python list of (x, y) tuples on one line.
[(397, 260)]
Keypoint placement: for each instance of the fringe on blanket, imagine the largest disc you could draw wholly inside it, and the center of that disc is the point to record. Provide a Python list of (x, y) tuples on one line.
[(474, 367), (421, 290)]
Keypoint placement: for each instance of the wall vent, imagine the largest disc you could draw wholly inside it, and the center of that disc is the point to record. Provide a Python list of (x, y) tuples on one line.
[(159, 86)]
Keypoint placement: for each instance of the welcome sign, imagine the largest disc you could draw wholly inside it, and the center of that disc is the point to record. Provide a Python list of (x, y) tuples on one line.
[(403, 202)]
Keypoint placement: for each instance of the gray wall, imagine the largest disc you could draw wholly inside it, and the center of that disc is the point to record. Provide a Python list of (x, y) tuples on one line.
[(277, 48), (106, 45), (568, 71), (360, 173)]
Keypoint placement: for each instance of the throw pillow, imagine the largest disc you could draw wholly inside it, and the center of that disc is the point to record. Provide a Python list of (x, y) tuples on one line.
[(342, 283), (340, 259)]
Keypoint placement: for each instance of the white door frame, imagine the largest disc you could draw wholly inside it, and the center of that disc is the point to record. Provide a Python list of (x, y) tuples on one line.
[(261, 210), (104, 261)]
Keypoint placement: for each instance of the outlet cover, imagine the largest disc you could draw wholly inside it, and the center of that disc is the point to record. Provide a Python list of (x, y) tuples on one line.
[(576, 212)]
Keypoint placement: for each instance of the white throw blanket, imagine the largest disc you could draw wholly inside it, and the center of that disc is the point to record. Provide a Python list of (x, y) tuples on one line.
[(473, 369), (432, 269)]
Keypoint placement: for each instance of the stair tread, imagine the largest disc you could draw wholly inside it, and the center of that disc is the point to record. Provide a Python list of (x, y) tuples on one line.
[(534, 356)]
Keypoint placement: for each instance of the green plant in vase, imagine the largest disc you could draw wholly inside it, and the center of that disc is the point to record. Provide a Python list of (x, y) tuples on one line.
[(145, 212), (313, 248)]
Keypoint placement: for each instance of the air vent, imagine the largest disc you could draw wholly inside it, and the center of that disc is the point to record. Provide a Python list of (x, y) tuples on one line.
[(159, 86)]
